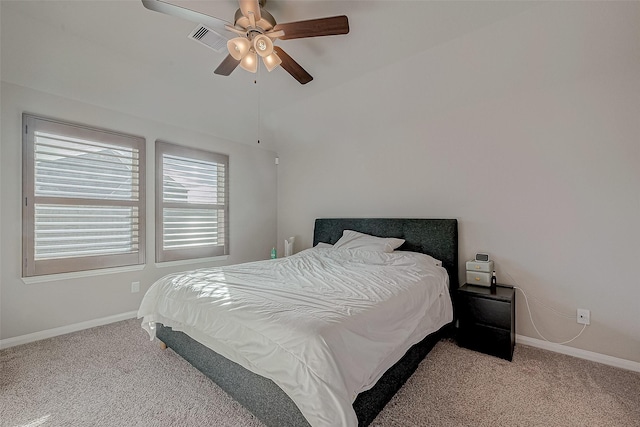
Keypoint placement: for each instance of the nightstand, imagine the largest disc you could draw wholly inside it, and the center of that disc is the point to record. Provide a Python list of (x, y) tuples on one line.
[(486, 319)]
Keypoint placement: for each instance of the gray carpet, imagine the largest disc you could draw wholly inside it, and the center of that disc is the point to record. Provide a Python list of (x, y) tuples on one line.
[(114, 376)]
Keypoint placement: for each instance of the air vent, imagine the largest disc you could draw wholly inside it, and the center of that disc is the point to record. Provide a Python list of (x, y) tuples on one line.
[(209, 38)]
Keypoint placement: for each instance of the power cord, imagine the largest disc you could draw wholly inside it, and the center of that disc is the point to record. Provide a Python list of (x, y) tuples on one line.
[(526, 300)]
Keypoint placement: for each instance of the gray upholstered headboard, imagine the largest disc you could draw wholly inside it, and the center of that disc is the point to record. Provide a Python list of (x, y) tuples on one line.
[(435, 237)]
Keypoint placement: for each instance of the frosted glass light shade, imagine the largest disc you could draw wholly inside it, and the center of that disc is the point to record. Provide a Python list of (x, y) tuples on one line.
[(238, 47), (250, 62), (263, 45), (271, 61)]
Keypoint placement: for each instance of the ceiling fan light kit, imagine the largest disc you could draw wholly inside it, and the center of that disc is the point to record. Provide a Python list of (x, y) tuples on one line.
[(256, 30), (262, 45), (250, 62), (271, 61), (238, 47), (241, 49)]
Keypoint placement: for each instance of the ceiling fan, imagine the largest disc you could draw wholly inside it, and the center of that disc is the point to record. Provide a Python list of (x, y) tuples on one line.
[(252, 35)]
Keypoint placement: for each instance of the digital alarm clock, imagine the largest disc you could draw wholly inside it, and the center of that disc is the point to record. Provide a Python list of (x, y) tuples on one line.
[(480, 257)]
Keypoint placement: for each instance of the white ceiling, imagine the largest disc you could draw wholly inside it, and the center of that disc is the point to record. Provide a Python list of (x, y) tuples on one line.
[(122, 56)]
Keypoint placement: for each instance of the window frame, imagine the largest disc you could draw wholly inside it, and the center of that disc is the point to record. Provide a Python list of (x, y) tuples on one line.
[(169, 255), (32, 267)]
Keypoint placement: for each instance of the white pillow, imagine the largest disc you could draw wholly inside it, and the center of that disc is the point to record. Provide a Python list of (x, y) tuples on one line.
[(431, 259), (353, 240)]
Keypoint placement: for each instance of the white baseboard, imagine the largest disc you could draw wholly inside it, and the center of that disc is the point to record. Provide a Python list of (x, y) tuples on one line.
[(49, 333), (582, 354)]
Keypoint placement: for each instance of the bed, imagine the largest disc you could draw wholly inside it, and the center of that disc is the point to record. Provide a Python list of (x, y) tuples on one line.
[(321, 396)]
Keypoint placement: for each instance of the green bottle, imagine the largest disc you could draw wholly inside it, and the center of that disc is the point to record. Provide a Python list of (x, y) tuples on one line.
[(274, 255)]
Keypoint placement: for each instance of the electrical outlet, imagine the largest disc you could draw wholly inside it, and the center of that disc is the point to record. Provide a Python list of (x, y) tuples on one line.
[(135, 287), (584, 316)]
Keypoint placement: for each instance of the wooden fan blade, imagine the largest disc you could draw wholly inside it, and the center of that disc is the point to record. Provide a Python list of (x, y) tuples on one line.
[(235, 30), (274, 34), (215, 24), (314, 27), (292, 67), (251, 6), (227, 66)]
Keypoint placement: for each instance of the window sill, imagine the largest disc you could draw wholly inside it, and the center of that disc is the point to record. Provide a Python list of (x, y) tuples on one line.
[(191, 261), (77, 274), (115, 270)]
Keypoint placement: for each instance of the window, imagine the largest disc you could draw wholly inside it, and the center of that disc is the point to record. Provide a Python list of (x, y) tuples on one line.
[(83, 204), (192, 206)]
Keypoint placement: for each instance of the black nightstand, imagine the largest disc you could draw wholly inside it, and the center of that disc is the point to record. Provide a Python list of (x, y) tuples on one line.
[(486, 319)]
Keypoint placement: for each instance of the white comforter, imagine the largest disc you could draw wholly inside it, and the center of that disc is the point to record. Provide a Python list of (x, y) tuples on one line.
[(323, 324)]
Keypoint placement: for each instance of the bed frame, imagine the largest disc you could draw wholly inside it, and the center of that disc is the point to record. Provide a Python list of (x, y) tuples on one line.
[(267, 401)]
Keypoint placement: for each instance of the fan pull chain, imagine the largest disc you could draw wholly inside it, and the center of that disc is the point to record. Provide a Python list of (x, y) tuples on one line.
[(256, 83)]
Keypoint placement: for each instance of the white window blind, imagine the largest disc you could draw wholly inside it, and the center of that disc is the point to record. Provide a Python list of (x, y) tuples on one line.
[(191, 203), (84, 204)]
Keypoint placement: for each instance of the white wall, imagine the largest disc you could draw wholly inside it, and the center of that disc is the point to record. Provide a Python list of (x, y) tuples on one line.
[(527, 131), (30, 308)]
